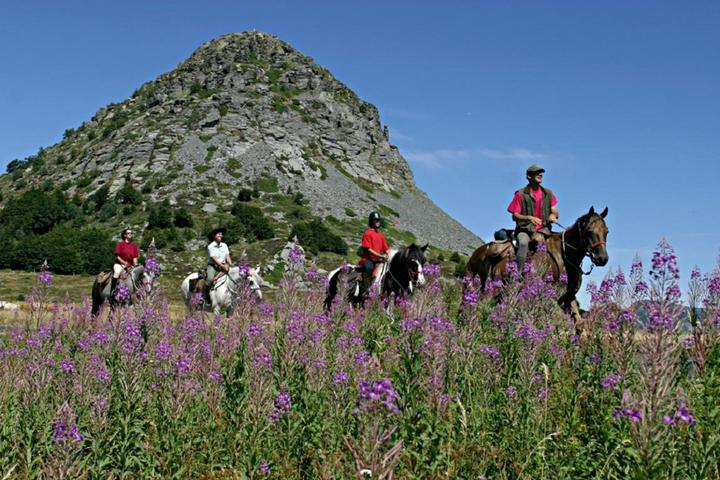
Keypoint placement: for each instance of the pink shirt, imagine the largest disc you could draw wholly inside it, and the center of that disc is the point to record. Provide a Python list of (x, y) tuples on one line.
[(537, 194)]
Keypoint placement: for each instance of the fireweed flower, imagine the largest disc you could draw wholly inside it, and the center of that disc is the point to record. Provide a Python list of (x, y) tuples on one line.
[(377, 395), (122, 293), (296, 256), (611, 381), (282, 406), (265, 468), (491, 351), (64, 427), (340, 377), (163, 351), (684, 414), (631, 414), (152, 265), (67, 366), (510, 392), (669, 421), (45, 278)]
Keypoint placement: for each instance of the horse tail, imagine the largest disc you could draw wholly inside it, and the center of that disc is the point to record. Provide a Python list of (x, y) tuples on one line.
[(331, 290), (97, 299)]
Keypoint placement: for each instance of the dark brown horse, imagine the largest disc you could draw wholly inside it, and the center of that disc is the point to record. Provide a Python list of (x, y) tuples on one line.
[(566, 251)]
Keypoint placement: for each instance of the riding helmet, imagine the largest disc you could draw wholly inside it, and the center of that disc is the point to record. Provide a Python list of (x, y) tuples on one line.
[(373, 217)]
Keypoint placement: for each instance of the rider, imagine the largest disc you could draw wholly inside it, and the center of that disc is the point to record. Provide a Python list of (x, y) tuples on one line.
[(126, 256), (219, 260), (534, 209), (374, 249)]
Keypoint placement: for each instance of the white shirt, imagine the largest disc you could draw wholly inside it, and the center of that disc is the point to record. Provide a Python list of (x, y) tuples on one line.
[(220, 252)]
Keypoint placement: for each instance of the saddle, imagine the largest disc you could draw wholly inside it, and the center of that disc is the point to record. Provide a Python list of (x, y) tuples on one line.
[(199, 284), (103, 278), (505, 239)]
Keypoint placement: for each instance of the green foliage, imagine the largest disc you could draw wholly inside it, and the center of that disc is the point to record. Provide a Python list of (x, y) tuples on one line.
[(100, 197), (317, 237), (459, 271), (182, 218), (267, 184), (34, 212), (210, 152), (160, 216), (257, 227), (246, 194), (455, 257), (128, 195), (201, 168)]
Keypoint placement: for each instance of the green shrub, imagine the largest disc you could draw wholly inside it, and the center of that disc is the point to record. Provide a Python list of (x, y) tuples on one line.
[(160, 216), (128, 195), (253, 220), (182, 218), (317, 237), (245, 194), (455, 257)]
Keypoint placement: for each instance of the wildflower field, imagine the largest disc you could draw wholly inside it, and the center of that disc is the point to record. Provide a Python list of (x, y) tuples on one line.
[(434, 388)]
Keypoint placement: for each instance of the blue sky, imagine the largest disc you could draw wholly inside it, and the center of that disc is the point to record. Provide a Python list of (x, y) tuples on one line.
[(620, 101)]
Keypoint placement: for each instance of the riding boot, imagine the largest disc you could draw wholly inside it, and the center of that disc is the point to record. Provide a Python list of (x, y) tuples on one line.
[(521, 266), (113, 287)]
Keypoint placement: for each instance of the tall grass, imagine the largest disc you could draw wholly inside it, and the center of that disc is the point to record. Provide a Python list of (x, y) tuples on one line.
[(435, 389)]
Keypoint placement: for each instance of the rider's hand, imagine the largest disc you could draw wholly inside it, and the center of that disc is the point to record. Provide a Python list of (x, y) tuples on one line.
[(535, 220)]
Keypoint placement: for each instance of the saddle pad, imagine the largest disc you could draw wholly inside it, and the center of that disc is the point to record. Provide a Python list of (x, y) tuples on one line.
[(103, 277)]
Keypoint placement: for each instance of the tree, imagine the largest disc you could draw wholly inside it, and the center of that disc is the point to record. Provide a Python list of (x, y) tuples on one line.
[(182, 218), (160, 216), (253, 220), (317, 237), (127, 195)]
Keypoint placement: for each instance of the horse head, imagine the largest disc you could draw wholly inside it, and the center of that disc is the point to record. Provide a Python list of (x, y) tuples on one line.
[(415, 257), (243, 276), (593, 231)]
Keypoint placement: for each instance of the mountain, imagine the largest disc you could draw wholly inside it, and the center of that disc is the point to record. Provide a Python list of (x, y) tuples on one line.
[(245, 113)]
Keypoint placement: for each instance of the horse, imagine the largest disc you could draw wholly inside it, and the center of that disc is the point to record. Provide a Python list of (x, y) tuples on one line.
[(398, 275), (566, 250), (226, 291), (138, 280)]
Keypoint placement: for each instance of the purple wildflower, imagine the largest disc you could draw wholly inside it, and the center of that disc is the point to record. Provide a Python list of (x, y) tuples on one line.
[(378, 394), (490, 350), (340, 377), (67, 366), (611, 381), (282, 406)]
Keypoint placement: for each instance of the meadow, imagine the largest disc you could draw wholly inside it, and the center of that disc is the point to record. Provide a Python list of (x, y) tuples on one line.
[(447, 384)]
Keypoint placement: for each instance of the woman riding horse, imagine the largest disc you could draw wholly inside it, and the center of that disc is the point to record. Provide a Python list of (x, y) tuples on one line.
[(566, 251)]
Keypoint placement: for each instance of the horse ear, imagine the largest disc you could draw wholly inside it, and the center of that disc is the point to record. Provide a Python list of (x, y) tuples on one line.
[(592, 210), (604, 213), (424, 247)]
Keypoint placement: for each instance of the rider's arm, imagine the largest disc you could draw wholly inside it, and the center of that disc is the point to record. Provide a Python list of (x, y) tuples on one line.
[(554, 215), (518, 217), (121, 261)]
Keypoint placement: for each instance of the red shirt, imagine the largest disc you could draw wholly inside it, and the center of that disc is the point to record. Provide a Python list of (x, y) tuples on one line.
[(374, 240), (127, 251), (537, 194)]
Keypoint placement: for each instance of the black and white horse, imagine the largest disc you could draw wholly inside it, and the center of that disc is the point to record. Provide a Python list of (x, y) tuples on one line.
[(399, 275)]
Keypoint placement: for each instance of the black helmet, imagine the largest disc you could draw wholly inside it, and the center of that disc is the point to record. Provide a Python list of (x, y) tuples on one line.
[(373, 217)]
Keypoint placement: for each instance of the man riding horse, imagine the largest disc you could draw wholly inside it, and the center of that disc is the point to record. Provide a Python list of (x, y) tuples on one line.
[(534, 210), (374, 251), (126, 257)]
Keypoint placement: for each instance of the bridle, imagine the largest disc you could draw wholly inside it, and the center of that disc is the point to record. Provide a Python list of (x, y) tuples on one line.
[(412, 274), (588, 249)]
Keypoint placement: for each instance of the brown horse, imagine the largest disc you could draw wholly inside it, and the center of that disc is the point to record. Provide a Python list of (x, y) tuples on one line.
[(566, 251)]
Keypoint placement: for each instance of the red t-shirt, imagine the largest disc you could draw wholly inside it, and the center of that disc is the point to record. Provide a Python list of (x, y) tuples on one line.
[(537, 194), (374, 240), (127, 251)]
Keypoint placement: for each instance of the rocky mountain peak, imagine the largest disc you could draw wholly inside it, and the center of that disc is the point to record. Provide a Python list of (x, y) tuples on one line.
[(245, 109)]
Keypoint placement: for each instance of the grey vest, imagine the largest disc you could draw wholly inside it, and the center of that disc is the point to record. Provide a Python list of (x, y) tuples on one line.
[(528, 208)]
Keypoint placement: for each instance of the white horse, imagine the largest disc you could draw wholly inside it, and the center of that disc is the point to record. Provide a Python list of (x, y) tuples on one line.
[(227, 291), (139, 281)]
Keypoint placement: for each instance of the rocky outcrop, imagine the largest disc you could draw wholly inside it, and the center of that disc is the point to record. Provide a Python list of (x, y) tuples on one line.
[(245, 107)]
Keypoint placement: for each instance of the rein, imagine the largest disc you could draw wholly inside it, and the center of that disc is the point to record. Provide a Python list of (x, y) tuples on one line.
[(586, 252)]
